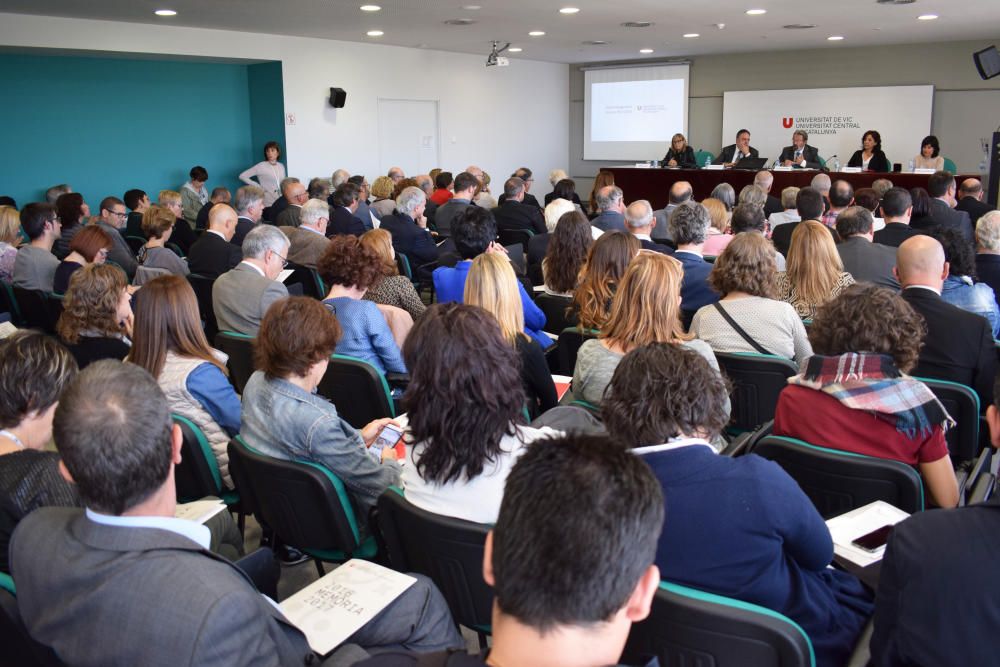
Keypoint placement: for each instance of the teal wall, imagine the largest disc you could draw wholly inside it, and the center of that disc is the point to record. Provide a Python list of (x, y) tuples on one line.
[(105, 125)]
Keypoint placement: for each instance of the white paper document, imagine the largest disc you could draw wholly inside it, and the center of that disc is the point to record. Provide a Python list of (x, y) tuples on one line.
[(199, 511), (854, 524), (330, 610), (283, 276)]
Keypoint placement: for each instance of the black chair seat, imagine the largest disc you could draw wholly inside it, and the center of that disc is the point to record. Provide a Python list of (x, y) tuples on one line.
[(239, 348), (757, 381), (570, 340), (202, 286), (360, 393), (36, 310), (962, 403), (554, 308)]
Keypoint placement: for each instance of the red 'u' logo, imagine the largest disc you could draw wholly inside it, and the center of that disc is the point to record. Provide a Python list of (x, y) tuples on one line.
[(787, 122)]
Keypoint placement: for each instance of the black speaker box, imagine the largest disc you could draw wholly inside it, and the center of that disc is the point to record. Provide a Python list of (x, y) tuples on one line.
[(338, 97)]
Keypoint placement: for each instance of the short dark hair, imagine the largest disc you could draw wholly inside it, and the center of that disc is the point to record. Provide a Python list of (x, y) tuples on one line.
[(346, 261), (932, 141), (357, 179), (741, 132), (460, 419), (345, 194), (866, 198), (473, 231), (221, 191), (747, 218), (295, 333), (198, 173), (272, 144), (512, 187), (69, 206), (662, 391), (112, 429), (841, 193), (809, 203), (958, 251), (443, 180), (921, 202), (34, 371), (8, 201), (523, 173), (108, 202), (464, 181), (939, 182), (579, 565), (854, 220), (34, 216), (895, 201), (564, 189), (875, 136), (133, 198)]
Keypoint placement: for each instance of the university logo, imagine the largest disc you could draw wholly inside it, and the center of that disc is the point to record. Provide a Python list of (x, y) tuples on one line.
[(787, 123)]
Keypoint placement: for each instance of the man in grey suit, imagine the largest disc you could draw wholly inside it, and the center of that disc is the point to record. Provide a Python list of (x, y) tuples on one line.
[(941, 186), (240, 297), (308, 240), (865, 260), (465, 189), (680, 192), (611, 203), (125, 583)]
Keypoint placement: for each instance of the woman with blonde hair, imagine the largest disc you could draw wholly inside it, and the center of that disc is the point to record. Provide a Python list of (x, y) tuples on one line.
[(646, 309), (96, 322), (606, 263), (492, 285), (170, 343), (158, 225), (381, 189), (718, 232), (815, 274), (680, 154), (391, 289), (10, 228)]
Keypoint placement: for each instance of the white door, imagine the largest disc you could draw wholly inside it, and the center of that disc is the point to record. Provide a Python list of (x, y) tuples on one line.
[(408, 135)]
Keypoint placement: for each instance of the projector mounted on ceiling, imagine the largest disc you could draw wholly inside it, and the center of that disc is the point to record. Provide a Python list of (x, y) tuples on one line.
[(495, 58)]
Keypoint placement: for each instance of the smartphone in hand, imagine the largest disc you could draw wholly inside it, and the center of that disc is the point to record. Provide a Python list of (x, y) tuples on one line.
[(390, 436)]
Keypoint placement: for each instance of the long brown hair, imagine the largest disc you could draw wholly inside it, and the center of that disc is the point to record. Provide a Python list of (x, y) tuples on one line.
[(567, 251), (814, 265), (167, 320), (606, 263), (604, 178), (646, 308), (91, 302)]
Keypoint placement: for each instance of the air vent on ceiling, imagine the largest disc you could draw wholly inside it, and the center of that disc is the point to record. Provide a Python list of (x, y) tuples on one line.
[(895, 2), (637, 24), (594, 42), (799, 26), (459, 22)]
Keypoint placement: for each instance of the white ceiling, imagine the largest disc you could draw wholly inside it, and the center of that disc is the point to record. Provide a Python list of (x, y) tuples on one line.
[(420, 23)]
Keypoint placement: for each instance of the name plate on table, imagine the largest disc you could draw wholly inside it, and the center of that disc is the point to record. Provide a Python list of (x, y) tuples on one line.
[(713, 166), (924, 171), (850, 170), (781, 168)]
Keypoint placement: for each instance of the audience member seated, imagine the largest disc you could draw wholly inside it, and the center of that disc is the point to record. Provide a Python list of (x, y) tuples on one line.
[(815, 273), (988, 251), (725, 193), (285, 418), (538, 245), (34, 371), (484, 197), (936, 585), (296, 194), (342, 218), (525, 176), (869, 200), (308, 241), (382, 191), (112, 220), (865, 260), (959, 288), (564, 188), (749, 219), (182, 235), (680, 192), (364, 211), (408, 227), (213, 254), (745, 275), (89, 246), (126, 560), (514, 214), (788, 212), (465, 189), (249, 210), (463, 433), (566, 253), (219, 195), (96, 320), (646, 309), (941, 188), (442, 187), (73, 214), (542, 564), (240, 297), (391, 289), (738, 527), (10, 227), (158, 225), (607, 260), (764, 179), (970, 200), (855, 394), (611, 209), (602, 180), (718, 231), (194, 194), (137, 201), (809, 205), (349, 268), (52, 194), (35, 265), (492, 286), (840, 197), (474, 233), (639, 223), (920, 218), (169, 342), (754, 195), (897, 208), (689, 224)]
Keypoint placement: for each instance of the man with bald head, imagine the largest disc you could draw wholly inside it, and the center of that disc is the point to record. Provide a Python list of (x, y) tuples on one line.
[(213, 254), (840, 196), (297, 195), (958, 346), (680, 192), (970, 200), (639, 222), (396, 174)]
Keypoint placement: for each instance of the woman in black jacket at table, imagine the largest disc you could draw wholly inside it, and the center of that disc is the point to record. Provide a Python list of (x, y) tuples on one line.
[(870, 157), (680, 154)]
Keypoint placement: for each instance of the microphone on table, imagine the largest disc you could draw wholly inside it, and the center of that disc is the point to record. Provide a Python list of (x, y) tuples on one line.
[(828, 160)]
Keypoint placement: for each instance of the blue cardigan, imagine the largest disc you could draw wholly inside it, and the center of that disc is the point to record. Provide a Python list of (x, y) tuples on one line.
[(366, 334), (741, 527)]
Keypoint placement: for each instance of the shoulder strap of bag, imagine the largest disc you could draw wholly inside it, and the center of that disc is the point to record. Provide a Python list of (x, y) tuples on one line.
[(738, 329)]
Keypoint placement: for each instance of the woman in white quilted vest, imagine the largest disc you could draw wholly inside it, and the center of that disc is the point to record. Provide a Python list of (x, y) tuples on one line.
[(169, 342)]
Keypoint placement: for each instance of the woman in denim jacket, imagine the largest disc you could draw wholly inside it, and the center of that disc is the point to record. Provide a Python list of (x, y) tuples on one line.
[(959, 288), (284, 418)]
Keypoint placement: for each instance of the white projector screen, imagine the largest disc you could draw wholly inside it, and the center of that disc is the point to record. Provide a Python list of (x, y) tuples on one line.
[(631, 113)]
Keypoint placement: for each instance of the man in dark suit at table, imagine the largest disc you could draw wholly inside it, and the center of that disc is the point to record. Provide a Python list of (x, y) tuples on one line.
[(639, 221), (212, 254), (733, 153), (958, 346), (800, 155), (809, 203), (970, 200), (680, 192), (611, 203), (342, 218), (863, 259), (897, 207), (689, 224), (941, 188), (936, 602), (514, 214)]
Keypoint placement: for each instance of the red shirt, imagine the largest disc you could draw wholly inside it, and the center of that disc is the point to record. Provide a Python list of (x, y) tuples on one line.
[(441, 195), (820, 419)]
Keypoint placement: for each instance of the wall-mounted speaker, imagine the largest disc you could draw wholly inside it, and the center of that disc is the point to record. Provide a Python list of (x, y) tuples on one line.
[(987, 62), (338, 96)]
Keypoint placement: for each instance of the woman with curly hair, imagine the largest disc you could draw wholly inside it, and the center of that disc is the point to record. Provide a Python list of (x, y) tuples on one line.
[(854, 394), (349, 268), (381, 189), (96, 322), (492, 285), (73, 213), (464, 407), (960, 288), (391, 289), (607, 260), (744, 274), (90, 245), (566, 254), (158, 225), (815, 273), (739, 527)]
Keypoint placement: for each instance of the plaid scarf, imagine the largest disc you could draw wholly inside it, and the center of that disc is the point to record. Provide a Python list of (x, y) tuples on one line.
[(871, 382)]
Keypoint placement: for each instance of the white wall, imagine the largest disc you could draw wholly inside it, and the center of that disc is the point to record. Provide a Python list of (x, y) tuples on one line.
[(498, 118)]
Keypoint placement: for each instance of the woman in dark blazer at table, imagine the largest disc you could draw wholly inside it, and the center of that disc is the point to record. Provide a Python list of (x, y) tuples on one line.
[(679, 154), (870, 157)]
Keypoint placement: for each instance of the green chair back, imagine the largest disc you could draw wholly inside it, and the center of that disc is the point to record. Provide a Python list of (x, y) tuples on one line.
[(949, 165)]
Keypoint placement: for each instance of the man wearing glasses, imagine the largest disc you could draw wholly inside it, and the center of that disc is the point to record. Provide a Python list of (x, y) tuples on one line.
[(525, 175), (113, 219), (240, 297)]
